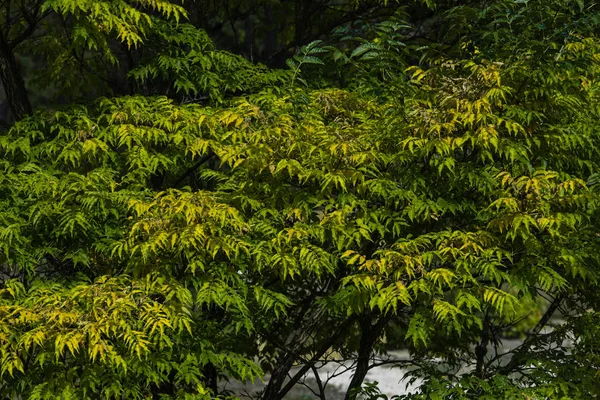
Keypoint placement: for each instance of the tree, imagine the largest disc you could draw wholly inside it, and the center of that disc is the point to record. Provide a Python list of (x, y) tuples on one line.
[(403, 183)]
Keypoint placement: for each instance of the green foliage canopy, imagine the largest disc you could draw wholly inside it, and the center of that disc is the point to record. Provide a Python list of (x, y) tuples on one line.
[(150, 248)]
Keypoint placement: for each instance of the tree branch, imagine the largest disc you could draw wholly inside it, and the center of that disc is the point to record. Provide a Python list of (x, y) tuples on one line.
[(324, 347), (521, 350), (194, 167), (319, 383)]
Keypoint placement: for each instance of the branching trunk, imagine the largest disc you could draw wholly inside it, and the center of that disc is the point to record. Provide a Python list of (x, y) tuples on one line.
[(370, 333), (274, 390), (285, 360), (278, 376)]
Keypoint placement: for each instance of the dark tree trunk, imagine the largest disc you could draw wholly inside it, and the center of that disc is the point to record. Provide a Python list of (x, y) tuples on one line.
[(481, 348), (278, 376), (212, 378), (14, 86), (370, 333), (285, 362)]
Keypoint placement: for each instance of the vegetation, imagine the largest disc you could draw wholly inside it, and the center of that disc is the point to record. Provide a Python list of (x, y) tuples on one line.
[(420, 176)]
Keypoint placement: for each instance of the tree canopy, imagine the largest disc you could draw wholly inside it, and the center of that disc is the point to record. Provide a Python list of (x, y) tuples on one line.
[(417, 175)]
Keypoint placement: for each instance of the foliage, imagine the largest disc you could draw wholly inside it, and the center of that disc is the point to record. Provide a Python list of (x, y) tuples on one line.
[(186, 59), (439, 198)]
